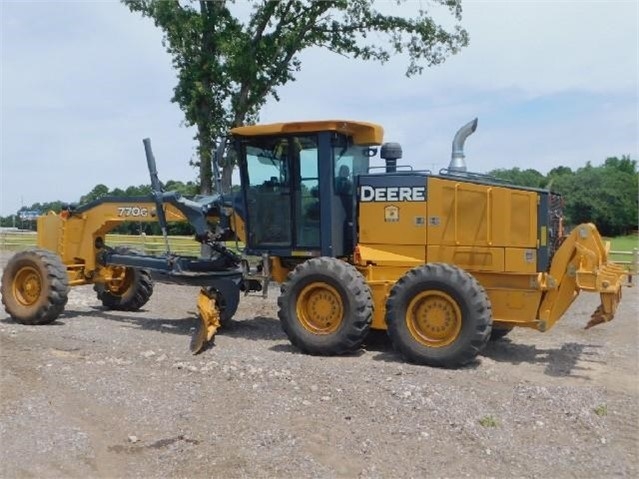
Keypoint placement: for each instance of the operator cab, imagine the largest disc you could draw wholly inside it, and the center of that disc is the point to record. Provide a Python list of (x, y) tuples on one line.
[(298, 184)]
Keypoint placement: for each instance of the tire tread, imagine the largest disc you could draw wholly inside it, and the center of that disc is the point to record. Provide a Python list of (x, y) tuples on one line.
[(49, 309), (350, 337)]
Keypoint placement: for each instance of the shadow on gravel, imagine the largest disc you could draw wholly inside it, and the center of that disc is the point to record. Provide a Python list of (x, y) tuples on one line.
[(290, 349), (378, 342), (8, 320), (257, 328), (182, 326), (562, 362)]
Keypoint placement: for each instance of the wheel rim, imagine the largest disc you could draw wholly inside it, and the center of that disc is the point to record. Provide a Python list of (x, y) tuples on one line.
[(320, 309), (120, 282), (434, 319), (27, 285)]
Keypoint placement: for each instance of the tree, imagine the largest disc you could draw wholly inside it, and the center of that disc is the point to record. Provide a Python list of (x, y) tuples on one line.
[(516, 176), (227, 68), (606, 195), (97, 192), (559, 170)]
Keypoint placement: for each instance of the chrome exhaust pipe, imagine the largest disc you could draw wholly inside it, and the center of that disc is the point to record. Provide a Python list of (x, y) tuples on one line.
[(457, 163)]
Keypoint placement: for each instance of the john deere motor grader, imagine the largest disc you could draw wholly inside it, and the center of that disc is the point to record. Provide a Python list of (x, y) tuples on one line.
[(443, 261)]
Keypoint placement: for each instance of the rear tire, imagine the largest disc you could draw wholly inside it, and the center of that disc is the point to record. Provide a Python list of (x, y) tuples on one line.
[(325, 307), (35, 287), (438, 315), (131, 293)]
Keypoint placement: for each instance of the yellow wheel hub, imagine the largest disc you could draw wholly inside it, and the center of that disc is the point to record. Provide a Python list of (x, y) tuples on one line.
[(434, 319), (27, 285), (319, 308), (120, 282)]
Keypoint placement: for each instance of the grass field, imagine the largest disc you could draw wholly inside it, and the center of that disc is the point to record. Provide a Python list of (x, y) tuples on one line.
[(185, 245), (625, 243)]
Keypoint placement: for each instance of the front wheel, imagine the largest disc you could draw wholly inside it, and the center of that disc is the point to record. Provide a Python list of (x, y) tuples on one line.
[(128, 289), (439, 315), (35, 287), (325, 307)]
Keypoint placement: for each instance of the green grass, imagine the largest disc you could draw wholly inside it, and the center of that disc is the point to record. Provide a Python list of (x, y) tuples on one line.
[(185, 245), (625, 243), (601, 410), (488, 421)]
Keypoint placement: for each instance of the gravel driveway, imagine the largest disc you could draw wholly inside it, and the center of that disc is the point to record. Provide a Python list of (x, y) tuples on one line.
[(109, 394)]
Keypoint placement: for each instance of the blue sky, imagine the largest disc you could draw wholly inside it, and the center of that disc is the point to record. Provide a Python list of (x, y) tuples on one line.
[(552, 82)]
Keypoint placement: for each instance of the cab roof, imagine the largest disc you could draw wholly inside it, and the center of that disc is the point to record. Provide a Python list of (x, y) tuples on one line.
[(363, 133)]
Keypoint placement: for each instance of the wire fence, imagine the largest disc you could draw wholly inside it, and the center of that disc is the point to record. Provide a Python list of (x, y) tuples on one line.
[(186, 245), (627, 259), (147, 244)]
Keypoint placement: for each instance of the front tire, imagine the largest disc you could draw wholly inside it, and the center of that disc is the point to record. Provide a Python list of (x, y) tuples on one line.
[(325, 307), (438, 315), (35, 287), (129, 291)]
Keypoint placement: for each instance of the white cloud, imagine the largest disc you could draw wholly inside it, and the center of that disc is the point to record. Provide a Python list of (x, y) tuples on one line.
[(83, 83)]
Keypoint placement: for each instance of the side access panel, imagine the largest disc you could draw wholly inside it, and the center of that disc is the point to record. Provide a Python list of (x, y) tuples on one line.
[(482, 227)]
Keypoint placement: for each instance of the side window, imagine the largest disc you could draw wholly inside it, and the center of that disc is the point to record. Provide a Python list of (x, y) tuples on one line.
[(344, 177), (308, 202), (348, 161)]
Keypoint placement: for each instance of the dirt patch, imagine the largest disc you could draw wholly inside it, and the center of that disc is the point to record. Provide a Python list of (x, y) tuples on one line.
[(110, 394)]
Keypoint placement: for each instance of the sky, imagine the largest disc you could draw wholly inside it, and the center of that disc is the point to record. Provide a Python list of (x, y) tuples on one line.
[(82, 83)]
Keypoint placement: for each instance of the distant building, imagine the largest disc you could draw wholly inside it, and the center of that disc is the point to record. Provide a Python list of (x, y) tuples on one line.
[(29, 215)]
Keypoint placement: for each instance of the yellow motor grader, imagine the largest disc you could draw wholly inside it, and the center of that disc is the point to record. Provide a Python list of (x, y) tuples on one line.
[(442, 261)]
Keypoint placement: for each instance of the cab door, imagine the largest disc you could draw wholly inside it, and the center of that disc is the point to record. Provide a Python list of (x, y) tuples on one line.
[(280, 174)]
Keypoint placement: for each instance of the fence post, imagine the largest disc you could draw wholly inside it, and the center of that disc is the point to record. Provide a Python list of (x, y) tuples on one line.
[(635, 260), (143, 235)]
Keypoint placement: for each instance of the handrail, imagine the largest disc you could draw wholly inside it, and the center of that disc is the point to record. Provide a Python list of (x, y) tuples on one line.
[(457, 185), (489, 219)]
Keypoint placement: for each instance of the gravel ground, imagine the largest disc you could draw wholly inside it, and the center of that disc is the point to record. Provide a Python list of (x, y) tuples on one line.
[(108, 394)]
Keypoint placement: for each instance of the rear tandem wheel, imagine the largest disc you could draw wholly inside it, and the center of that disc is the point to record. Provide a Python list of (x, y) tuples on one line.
[(439, 315)]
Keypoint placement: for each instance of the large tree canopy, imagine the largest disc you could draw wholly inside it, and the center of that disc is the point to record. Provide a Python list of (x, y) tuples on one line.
[(228, 66), (606, 195)]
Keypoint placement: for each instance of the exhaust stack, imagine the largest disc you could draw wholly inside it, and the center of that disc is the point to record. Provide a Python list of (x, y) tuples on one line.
[(457, 163)]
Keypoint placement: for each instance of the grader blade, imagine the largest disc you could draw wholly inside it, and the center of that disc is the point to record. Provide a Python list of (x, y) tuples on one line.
[(209, 320)]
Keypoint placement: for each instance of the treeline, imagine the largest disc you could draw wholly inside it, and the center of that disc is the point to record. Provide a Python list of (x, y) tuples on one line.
[(188, 189), (606, 195)]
